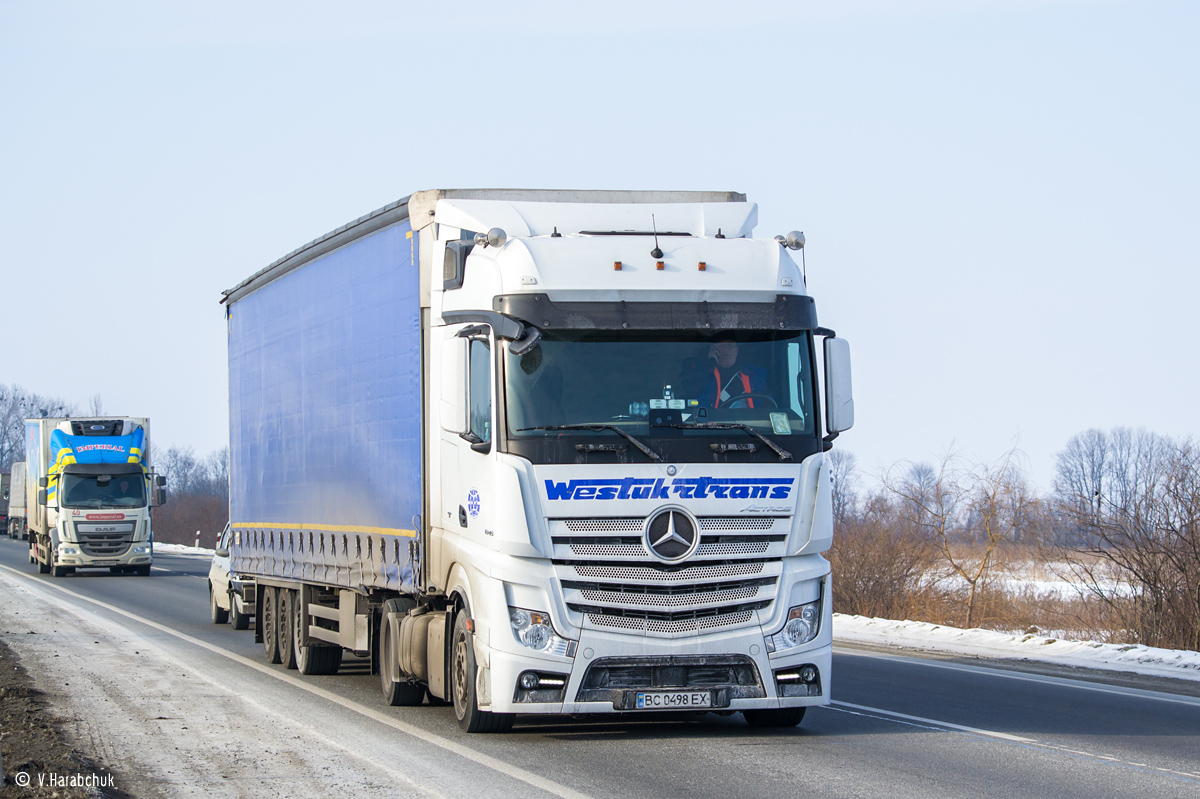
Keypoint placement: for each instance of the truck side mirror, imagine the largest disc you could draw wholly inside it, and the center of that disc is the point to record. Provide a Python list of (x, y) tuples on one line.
[(43, 482), (454, 385), (41, 496), (839, 395), (160, 497), (160, 481)]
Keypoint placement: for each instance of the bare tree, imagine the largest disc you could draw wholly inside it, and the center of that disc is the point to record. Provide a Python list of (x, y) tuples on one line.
[(96, 405), (982, 504), (844, 478), (16, 405), (1132, 501)]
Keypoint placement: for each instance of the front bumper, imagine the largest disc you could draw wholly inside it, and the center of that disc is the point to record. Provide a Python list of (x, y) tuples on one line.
[(742, 652), (80, 560)]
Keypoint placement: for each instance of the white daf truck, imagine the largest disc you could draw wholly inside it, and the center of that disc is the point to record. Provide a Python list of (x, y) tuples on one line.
[(89, 491), (542, 452)]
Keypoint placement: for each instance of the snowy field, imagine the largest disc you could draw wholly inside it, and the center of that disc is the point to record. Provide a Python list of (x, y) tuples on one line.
[(987, 643)]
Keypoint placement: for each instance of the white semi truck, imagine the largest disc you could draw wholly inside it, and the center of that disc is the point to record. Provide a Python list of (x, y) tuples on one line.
[(89, 491), (16, 501), (544, 452)]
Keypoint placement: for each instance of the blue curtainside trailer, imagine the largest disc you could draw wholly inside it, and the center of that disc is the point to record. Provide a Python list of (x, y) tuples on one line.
[(325, 413)]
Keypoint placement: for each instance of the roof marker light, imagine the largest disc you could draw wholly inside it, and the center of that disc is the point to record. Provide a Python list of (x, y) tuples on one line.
[(661, 266), (617, 265), (703, 266)]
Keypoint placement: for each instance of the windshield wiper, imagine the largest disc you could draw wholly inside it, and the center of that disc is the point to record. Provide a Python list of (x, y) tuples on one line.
[(783, 454), (649, 453)]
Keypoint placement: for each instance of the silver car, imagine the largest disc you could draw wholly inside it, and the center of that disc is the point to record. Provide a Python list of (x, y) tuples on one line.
[(229, 594)]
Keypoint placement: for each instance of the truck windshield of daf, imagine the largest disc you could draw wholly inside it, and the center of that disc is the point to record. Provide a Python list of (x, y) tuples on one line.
[(102, 491)]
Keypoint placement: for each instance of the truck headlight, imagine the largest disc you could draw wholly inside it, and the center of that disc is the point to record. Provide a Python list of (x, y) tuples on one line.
[(533, 629), (68, 550), (802, 625), (141, 550)]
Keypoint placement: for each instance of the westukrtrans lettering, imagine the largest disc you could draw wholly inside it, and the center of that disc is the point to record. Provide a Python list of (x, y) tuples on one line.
[(681, 488)]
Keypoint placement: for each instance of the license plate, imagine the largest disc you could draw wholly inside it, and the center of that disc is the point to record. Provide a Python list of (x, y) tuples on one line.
[(673, 700), (104, 563)]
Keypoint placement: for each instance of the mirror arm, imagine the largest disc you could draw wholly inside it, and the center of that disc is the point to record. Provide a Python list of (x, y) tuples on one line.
[(827, 442), (824, 331)]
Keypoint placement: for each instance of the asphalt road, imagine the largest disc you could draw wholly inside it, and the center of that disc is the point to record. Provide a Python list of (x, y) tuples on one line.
[(900, 726)]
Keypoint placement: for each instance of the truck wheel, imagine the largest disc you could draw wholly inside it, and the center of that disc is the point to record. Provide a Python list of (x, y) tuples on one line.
[(462, 678), (396, 690), (774, 717), (219, 614), (142, 571), (241, 621), (60, 571), (270, 642), (285, 626), (313, 659)]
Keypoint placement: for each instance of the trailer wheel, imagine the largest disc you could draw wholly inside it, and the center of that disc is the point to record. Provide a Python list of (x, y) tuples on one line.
[(396, 691), (270, 640), (285, 625), (313, 659), (774, 717), (219, 614), (241, 621), (463, 673)]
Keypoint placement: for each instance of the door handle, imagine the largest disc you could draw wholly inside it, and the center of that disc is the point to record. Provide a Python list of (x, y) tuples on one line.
[(462, 516)]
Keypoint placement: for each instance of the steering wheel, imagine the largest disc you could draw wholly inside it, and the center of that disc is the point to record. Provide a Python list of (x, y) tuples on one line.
[(750, 395)]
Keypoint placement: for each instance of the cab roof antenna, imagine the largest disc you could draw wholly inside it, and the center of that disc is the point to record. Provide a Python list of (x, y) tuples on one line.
[(656, 253)]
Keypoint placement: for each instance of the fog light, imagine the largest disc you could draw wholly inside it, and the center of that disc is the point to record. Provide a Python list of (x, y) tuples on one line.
[(529, 681), (808, 674)]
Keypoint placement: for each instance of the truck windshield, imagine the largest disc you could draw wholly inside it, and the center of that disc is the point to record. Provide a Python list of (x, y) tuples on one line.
[(102, 491), (667, 385)]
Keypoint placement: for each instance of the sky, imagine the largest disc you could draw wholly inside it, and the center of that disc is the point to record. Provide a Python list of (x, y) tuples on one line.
[(1000, 199)]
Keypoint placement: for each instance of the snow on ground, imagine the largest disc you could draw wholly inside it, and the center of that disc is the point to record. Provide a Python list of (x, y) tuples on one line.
[(987, 643), (181, 549)]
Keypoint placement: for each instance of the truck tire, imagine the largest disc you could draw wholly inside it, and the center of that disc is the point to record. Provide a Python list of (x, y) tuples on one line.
[(285, 627), (142, 571), (462, 684), (59, 571), (241, 621), (396, 692), (218, 614), (774, 717), (270, 641)]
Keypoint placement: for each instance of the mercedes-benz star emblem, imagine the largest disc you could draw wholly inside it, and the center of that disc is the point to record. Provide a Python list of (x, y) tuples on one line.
[(672, 534)]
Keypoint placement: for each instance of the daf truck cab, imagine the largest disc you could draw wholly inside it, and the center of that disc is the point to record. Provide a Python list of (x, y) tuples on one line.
[(90, 489)]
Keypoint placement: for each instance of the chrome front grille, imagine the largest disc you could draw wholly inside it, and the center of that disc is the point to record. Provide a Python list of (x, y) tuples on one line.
[(610, 579), (104, 544)]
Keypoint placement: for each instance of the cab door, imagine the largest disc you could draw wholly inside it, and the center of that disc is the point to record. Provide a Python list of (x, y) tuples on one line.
[(468, 389)]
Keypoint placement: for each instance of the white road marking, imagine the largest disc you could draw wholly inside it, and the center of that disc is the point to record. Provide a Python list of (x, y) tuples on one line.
[(935, 724), (1008, 674), (517, 773), (945, 724)]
